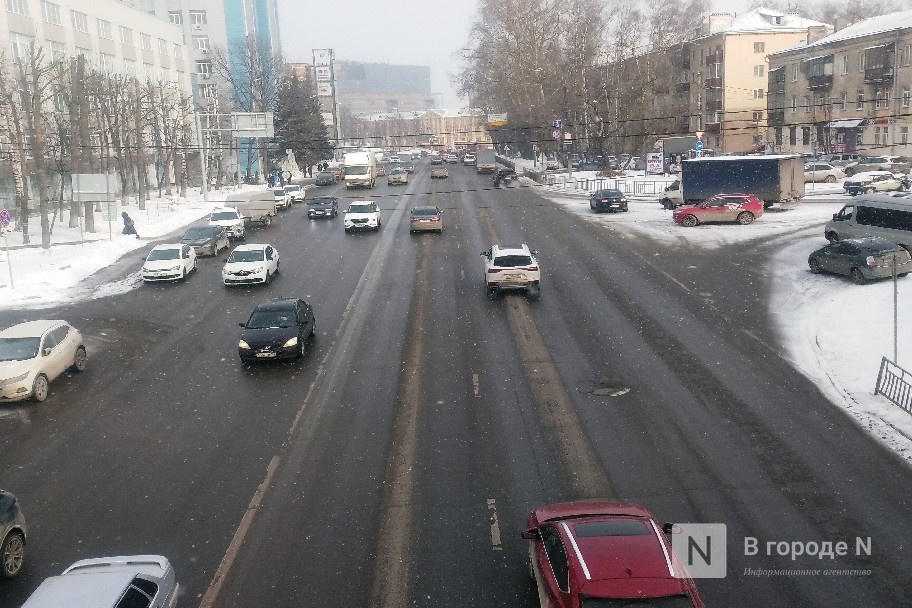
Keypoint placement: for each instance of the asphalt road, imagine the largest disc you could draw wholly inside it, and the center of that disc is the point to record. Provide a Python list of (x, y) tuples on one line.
[(395, 465)]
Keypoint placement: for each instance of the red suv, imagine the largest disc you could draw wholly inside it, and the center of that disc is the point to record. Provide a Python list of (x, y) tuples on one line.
[(590, 552), (741, 208)]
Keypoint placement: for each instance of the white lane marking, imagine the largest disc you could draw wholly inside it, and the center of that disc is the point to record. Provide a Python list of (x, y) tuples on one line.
[(476, 386), (495, 526), (236, 542), (462, 274)]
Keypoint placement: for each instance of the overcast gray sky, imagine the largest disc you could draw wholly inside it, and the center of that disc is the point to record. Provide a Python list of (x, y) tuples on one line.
[(408, 32)]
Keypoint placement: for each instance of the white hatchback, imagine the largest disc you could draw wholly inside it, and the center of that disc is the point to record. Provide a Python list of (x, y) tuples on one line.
[(511, 267), (34, 353), (169, 263), (249, 264), (231, 220)]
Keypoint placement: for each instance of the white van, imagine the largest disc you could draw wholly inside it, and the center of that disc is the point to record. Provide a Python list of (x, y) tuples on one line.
[(880, 215)]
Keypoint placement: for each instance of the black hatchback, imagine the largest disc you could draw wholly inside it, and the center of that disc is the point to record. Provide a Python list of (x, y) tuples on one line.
[(12, 536), (278, 329), (322, 206), (608, 200)]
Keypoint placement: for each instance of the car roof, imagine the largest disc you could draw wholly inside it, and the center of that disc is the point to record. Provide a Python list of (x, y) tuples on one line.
[(89, 589), (278, 304), (167, 246), (251, 247), (512, 249), (864, 174), (224, 209), (361, 202), (29, 329), (873, 243)]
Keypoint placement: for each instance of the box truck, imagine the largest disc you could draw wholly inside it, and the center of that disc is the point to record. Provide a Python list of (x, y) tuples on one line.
[(360, 169)]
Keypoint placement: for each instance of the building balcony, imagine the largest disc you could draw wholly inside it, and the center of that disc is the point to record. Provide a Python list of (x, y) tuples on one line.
[(775, 117), (878, 75), (714, 58), (821, 82), (713, 105), (713, 83)]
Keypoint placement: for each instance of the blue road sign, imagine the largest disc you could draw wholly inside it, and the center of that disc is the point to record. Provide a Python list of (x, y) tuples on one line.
[(698, 145), (557, 124)]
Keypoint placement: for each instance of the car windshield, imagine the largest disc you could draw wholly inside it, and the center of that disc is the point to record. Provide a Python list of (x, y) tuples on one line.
[(164, 254), (673, 601), (325, 174), (397, 172), (318, 202), (365, 208), (279, 192), (261, 319), (424, 211), (292, 188), (246, 255), (201, 232), (356, 170), (512, 261), (223, 215), (18, 349), (614, 193)]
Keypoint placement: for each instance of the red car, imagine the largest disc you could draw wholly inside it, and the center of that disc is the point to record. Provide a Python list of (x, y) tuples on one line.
[(741, 208), (589, 552)]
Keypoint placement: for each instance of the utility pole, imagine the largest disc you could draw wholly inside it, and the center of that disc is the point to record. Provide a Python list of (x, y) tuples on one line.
[(203, 159)]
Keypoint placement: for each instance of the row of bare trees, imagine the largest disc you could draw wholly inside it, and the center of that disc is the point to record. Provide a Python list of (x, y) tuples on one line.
[(60, 116), (607, 69)]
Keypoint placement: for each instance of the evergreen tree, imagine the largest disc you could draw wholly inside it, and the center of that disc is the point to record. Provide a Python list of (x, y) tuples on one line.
[(299, 125)]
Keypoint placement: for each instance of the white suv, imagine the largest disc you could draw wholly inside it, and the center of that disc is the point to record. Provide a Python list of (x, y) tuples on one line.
[(362, 215), (231, 220), (511, 267)]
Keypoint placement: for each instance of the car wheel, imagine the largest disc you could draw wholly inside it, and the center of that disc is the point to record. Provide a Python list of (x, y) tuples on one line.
[(815, 266), (690, 221), (857, 276), (492, 293), (80, 360), (831, 236), (745, 218), (869, 191), (850, 172), (266, 221), (40, 388), (277, 266), (534, 293), (12, 555), (831, 179), (244, 237)]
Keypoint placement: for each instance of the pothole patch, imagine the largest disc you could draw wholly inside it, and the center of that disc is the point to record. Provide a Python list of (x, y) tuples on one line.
[(605, 387)]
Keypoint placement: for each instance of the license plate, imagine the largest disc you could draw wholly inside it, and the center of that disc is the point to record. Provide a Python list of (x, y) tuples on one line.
[(266, 355), (514, 277)]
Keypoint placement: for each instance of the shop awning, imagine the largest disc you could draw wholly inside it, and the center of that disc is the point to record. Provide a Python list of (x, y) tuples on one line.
[(882, 121), (847, 123)]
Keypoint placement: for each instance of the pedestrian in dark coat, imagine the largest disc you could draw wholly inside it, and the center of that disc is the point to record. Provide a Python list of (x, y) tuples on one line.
[(129, 226)]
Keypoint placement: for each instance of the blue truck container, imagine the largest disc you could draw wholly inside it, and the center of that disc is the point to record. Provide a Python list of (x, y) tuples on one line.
[(772, 178)]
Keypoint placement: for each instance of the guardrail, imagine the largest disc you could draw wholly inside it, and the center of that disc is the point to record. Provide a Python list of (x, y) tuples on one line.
[(894, 383), (625, 185)]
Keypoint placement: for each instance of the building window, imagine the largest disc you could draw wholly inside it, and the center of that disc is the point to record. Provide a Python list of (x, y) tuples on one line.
[(126, 35), (148, 71), (906, 96), (759, 47), (794, 72), (104, 29), (845, 64), (805, 136), (861, 100), (129, 67), (198, 17), (844, 101), (58, 50), (162, 46), (145, 40), (861, 62), (807, 104), (904, 135), (794, 103), (208, 91), (84, 53), (877, 136), (793, 136), (758, 70), (50, 12), (201, 43), (21, 45), (877, 97), (176, 17), (758, 116), (80, 21), (778, 132), (204, 67), (758, 93), (907, 55), (106, 62), (20, 7), (177, 51)]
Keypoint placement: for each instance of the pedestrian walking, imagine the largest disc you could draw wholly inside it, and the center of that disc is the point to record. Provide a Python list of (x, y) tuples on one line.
[(129, 225)]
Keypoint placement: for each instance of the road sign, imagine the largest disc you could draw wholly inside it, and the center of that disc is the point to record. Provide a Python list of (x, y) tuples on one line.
[(557, 124), (556, 133), (5, 218), (698, 145)]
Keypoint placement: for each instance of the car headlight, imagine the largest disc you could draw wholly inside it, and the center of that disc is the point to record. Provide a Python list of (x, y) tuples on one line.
[(291, 342), (244, 345), (14, 380)]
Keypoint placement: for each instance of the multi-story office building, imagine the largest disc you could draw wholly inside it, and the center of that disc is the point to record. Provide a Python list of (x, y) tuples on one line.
[(728, 74), (218, 24), (396, 130), (113, 36), (850, 91), (371, 88)]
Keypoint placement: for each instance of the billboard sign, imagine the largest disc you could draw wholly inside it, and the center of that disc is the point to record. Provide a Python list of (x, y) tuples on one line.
[(497, 120), (654, 163), (324, 89), (322, 57), (323, 73)]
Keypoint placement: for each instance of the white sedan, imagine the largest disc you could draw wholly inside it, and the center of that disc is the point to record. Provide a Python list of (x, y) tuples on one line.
[(822, 172), (34, 353), (252, 263), (169, 263)]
